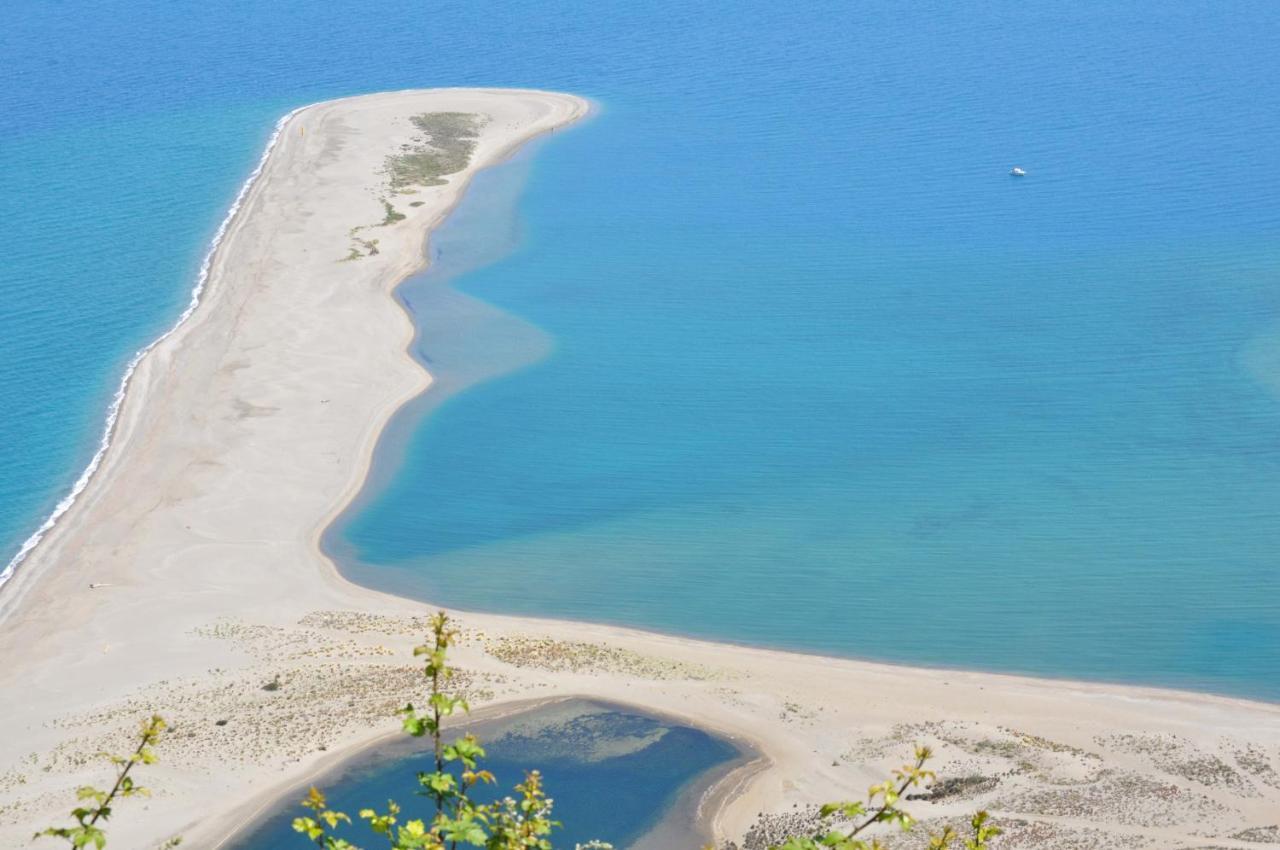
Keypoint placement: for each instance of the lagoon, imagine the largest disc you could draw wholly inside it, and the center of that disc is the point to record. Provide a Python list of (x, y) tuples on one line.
[(618, 776)]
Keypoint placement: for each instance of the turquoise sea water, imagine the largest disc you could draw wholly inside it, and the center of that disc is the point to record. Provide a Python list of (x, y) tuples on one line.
[(614, 776), (772, 349)]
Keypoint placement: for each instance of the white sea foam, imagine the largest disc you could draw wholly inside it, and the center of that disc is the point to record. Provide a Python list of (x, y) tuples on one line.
[(113, 411)]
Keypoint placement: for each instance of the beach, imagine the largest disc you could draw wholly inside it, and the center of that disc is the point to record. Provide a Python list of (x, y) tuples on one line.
[(188, 574)]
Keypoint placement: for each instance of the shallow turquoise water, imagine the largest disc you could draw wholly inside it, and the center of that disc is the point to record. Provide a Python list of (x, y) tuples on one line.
[(614, 775), (797, 358)]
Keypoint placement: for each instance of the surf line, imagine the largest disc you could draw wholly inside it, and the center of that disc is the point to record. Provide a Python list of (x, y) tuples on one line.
[(113, 410)]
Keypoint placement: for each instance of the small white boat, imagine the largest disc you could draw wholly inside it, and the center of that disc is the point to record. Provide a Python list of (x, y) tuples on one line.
[(1017, 172)]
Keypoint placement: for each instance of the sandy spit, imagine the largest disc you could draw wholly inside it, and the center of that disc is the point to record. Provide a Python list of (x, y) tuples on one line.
[(247, 430)]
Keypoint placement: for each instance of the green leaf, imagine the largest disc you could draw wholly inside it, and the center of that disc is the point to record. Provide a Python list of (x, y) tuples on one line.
[(796, 843), (440, 783)]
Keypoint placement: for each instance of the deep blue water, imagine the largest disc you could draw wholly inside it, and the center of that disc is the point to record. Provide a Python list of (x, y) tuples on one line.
[(612, 774), (798, 360)]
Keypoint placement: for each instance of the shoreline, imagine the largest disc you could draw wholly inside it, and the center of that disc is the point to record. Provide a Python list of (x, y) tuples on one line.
[(236, 824), (366, 452), (433, 291), (110, 421), (690, 812), (67, 502), (205, 519), (1148, 690), (366, 491)]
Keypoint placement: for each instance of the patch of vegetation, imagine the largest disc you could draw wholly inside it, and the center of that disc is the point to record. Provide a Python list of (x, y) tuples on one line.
[(392, 215), (444, 146), (1262, 834), (1006, 749), (577, 656), (960, 786), (370, 247), (450, 140)]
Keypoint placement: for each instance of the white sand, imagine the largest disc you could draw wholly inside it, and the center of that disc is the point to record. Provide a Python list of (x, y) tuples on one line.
[(245, 432)]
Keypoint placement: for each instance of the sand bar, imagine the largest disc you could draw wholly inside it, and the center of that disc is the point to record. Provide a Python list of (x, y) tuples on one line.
[(247, 430)]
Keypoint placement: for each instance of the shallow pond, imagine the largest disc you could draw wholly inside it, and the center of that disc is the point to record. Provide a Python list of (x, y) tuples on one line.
[(615, 775)]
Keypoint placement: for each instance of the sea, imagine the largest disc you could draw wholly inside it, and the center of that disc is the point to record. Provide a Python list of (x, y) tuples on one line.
[(773, 349)]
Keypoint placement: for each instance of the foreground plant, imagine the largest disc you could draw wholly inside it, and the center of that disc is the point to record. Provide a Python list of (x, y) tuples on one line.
[(97, 804), (882, 807), (519, 822), (522, 822)]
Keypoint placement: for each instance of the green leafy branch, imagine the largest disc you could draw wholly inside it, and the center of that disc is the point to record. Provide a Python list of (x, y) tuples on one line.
[(522, 822), (882, 807), (97, 804)]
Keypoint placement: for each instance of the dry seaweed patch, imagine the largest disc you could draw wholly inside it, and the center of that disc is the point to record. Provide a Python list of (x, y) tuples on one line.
[(794, 712), (13, 778), (872, 748), (1179, 757), (357, 622), (951, 741), (1035, 779), (239, 720), (771, 829), (390, 627), (1125, 799), (730, 696), (958, 788), (1257, 764), (1023, 833), (1042, 743), (278, 643), (997, 751), (558, 656), (1261, 834), (1019, 833), (27, 809)]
